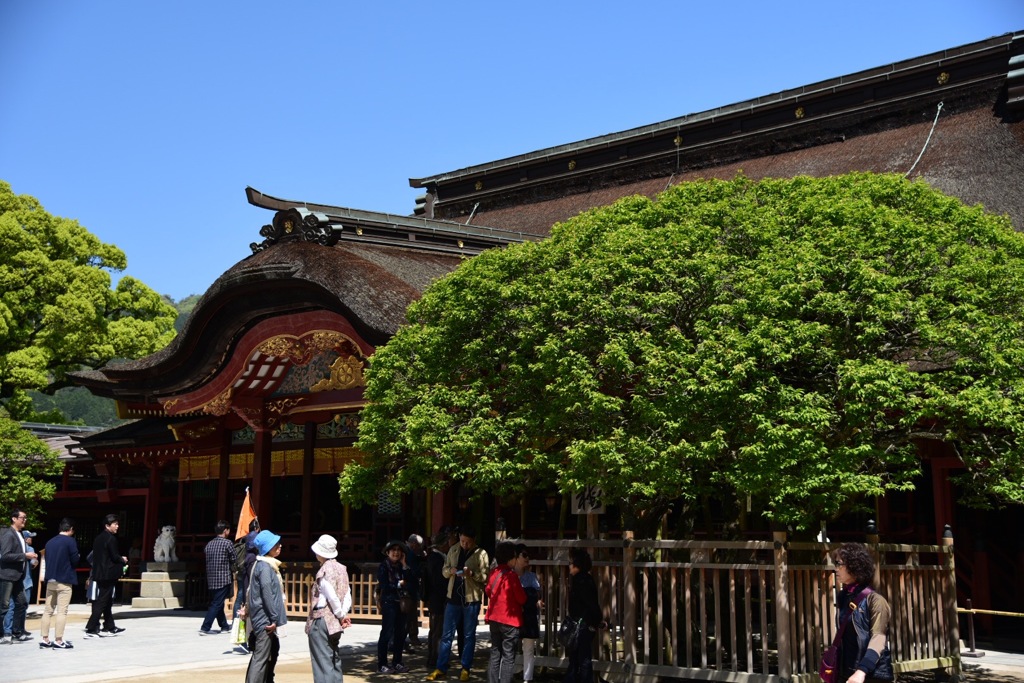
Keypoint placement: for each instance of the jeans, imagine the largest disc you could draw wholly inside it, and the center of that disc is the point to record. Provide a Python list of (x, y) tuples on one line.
[(216, 609), (392, 633), (13, 602), (468, 616), (58, 597), (502, 663)]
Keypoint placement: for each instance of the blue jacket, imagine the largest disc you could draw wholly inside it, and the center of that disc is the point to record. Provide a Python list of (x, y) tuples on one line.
[(858, 633), (61, 559), (265, 604)]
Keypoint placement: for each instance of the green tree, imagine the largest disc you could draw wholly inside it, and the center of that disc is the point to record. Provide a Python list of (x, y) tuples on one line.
[(185, 308), (27, 470), (58, 312), (786, 340)]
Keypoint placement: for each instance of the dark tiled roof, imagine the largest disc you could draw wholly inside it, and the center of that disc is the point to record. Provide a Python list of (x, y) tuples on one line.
[(370, 285), (972, 155)]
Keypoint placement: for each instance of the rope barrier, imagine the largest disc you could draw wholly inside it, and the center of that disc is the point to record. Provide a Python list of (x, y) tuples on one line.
[(967, 610)]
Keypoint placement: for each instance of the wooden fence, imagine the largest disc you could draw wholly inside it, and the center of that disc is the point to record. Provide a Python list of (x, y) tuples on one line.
[(758, 611)]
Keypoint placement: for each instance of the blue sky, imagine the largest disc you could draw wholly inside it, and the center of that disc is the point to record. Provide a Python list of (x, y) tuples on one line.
[(146, 120)]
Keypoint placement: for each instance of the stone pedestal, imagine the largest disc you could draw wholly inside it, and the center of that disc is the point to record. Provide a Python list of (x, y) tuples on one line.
[(163, 585)]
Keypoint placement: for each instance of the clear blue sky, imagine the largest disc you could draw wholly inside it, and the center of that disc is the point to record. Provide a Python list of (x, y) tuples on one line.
[(145, 120)]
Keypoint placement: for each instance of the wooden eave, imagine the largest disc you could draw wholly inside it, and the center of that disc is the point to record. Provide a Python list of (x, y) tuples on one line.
[(337, 223)]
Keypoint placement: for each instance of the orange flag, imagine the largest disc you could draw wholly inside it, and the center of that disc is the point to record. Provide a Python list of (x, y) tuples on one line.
[(245, 517)]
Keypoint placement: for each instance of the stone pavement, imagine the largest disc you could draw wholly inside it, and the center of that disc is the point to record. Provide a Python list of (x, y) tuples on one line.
[(164, 646), (160, 646)]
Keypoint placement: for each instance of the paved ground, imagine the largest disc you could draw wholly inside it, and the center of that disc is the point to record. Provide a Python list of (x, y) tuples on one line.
[(162, 646)]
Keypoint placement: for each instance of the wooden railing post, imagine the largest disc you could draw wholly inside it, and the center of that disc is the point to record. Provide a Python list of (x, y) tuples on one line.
[(629, 608), (953, 619), (782, 606), (872, 542)]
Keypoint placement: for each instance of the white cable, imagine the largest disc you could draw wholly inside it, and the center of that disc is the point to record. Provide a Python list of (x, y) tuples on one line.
[(929, 139)]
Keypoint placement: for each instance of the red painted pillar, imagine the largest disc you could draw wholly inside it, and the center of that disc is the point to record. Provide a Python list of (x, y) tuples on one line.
[(150, 522), (224, 477), (262, 492)]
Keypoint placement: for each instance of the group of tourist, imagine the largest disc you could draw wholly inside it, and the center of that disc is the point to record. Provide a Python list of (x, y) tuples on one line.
[(17, 557), (453, 577)]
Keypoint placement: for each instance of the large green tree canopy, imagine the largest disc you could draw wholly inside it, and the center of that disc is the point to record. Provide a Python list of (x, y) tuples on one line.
[(786, 340), (58, 312)]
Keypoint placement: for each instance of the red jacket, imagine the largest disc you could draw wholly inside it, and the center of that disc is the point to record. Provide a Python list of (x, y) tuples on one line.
[(506, 597)]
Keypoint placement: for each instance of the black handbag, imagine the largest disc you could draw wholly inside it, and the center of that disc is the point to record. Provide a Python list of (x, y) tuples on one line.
[(569, 633)]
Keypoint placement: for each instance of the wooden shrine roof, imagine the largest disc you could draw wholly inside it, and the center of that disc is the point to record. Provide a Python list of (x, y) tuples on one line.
[(874, 120)]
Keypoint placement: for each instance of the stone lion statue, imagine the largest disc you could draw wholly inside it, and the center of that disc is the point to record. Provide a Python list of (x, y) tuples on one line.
[(163, 549)]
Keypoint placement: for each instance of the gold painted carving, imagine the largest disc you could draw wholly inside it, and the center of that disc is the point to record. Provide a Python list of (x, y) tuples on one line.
[(194, 433), (943, 78), (219, 405), (799, 112), (281, 406), (346, 372), (301, 350)]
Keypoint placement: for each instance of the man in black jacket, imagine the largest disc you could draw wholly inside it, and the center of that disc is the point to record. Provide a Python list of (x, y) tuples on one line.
[(14, 557), (107, 567)]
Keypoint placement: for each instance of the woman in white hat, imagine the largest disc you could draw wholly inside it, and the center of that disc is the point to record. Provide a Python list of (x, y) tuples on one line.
[(328, 612)]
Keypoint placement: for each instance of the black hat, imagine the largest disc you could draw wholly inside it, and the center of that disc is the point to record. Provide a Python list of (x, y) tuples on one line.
[(395, 543)]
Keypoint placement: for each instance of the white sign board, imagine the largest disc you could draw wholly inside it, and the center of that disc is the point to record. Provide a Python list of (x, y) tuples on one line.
[(589, 501)]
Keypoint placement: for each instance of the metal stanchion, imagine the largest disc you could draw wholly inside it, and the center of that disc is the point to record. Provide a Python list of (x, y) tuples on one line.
[(970, 634)]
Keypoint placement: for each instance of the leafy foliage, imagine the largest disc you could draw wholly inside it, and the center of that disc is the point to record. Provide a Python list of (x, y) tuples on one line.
[(184, 308), (58, 312), (789, 340), (27, 469)]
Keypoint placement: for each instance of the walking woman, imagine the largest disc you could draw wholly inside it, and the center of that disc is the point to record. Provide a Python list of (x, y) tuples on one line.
[(328, 618), (264, 609), (863, 648), (583, 605), (393, 576)]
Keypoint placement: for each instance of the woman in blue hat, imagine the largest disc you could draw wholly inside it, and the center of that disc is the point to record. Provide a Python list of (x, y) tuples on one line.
[(264, 609)]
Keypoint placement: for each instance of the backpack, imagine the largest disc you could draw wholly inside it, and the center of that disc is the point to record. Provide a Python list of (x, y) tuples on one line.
[(240, 551)]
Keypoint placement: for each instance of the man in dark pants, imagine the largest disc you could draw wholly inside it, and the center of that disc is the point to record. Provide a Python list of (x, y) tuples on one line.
[(220, 557), (437, 592), (416, 560), (15, 555), (107, 567)]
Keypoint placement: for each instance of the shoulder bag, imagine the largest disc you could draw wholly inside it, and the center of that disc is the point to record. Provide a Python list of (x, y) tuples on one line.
[(828, 670), (569, 633)]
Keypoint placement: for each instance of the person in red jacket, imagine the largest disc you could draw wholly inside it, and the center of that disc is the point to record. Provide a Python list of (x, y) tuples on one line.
[(506, 598)]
